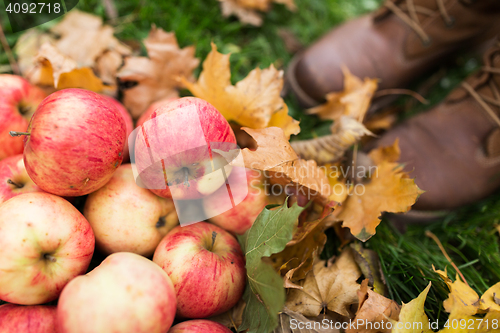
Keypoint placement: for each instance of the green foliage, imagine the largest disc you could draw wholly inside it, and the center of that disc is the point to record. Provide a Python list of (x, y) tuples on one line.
[(265, 294)]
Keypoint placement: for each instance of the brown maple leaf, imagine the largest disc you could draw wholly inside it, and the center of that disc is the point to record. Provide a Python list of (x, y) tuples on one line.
[(156, 74), (389, 190), (329, 285), (253, 102), (353, 101)]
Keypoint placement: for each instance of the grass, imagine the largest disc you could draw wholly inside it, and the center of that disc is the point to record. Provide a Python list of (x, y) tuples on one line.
[(468, 235)]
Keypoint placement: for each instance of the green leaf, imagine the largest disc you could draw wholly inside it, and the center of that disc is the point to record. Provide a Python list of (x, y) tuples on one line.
[(264, 294)]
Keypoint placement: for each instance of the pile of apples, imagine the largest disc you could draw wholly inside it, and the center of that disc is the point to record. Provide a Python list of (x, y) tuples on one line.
[(64, 193)]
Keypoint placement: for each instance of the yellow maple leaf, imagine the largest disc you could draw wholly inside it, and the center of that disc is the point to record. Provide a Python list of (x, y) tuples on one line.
[(412, 318), (353, 101), (331, 287), (254, 102), (389, 190), (156, 75), (463, 304)]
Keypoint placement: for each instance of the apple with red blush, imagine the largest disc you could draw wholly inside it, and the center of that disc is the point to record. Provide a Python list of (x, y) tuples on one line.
[(125, 293), (46, 242), (206, 266), (74, 142), (18, 101), (176, 149)]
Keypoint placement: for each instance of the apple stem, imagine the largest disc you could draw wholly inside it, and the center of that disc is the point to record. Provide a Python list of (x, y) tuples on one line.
[(14, 133), (214, 235), (49, 257), (186, 176), (10, 181)]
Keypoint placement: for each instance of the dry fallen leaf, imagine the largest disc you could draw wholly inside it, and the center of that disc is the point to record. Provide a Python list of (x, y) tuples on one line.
[(373, 308), (331, 287), (246, 10), (83, 46), (353, 101), (369, 263), (297, 259), (275, 156), (346, 132), (156, 74), (412, 314), (27, 47), (389, 190), (54, 69), (84, 38), (253, 102)]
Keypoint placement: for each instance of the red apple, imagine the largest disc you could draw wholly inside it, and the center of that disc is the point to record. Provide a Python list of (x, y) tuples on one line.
[(152, 108), (174, 149), (199, 326), (46, 242), (14, 179), (75, 142), (129, 124), (18, 101), (27, 319), (249, 198), (125, 293), (126, 217), (207, 267)]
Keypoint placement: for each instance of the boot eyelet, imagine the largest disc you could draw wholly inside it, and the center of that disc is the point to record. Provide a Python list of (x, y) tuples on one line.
[(427, 42), (451, 23)]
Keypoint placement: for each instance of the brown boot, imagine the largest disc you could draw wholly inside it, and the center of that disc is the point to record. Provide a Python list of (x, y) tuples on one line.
[(453, 150), (401, 41)]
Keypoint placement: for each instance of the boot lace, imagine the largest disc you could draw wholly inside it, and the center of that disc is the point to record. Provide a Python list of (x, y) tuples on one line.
[(483, 100), (408, 11)]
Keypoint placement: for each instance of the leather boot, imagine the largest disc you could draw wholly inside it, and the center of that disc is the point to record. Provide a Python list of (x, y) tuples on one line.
[(398, 43), (453, 150)]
